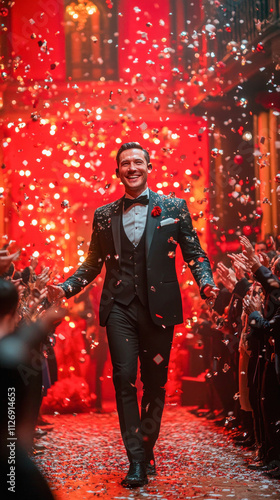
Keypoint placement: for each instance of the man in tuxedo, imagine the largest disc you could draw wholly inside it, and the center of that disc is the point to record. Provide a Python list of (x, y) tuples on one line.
[(136, 237)]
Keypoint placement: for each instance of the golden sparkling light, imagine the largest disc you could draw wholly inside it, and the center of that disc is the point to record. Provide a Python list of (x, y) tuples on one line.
[(79, 12)]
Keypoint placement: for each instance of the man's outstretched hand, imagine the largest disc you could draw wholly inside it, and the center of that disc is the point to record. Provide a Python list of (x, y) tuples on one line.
[(211, 292), (55, 293)]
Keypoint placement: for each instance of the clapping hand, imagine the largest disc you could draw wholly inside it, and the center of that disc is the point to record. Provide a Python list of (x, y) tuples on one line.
[(43, 278), (33, 262), (6, 260), (20, 286), (251, 304), (264, 260), (241, 263), (227, 276), (253, 259)]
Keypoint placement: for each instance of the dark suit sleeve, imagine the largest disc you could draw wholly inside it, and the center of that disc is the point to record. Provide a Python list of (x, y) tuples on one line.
[(192, 252), (90, 268), (267, 279), (222, 301), (241, 288), (258, 323)]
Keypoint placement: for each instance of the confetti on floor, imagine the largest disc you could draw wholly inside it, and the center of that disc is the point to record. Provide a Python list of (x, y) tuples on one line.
[(85, 459)]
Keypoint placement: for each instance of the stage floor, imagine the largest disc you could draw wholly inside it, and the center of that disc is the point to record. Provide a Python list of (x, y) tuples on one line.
[(85, 459)]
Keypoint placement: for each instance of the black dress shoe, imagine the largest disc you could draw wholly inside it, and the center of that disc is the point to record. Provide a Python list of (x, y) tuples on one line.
[(136, 476), (273, 469)]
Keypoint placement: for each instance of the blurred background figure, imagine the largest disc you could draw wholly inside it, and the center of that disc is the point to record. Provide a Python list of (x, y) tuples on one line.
[(19, 348), (96, 344)]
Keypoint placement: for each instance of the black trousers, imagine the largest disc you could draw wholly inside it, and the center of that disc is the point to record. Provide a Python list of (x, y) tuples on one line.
[(132, 335)]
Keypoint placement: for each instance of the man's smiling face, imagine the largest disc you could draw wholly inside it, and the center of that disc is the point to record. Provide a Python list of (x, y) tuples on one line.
[(133, 171)]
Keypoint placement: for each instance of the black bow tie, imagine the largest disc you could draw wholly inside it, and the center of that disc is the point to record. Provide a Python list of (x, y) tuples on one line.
[(142, 200)]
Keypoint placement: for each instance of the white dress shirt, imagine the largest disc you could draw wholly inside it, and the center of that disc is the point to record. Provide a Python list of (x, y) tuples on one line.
[(134, 219)]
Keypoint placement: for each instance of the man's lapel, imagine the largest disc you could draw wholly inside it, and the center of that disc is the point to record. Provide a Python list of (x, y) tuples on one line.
[(152, 222), (116, 226)]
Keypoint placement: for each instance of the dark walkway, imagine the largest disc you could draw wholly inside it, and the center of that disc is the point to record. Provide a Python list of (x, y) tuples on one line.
[(85, 459)]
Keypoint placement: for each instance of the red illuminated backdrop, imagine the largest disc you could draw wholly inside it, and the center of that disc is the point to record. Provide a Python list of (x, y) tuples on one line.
[(61, 137)]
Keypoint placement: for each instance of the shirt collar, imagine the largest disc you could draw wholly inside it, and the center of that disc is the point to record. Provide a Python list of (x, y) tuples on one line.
[(146, 192)]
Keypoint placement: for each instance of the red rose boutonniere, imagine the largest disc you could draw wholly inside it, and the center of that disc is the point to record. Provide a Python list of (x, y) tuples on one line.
[(156, 211)]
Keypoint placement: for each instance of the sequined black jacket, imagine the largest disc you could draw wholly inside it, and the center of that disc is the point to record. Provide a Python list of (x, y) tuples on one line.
[(164, 296)]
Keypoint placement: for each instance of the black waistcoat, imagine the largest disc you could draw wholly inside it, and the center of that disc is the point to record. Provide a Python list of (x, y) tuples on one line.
[(132, 270)]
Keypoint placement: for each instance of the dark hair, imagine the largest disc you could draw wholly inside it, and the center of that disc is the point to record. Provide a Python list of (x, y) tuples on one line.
[(132, 145), (8, 298), (262, 242)]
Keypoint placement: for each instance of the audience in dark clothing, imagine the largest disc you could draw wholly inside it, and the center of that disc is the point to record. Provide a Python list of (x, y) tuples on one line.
[(247, 367)]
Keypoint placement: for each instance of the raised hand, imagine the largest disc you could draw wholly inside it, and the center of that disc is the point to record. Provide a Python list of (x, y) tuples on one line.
[(251, 304), (43, 278), (227, 276), (241, 261), (33, 262), (6, 260), (264, 260), (248, 247)]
